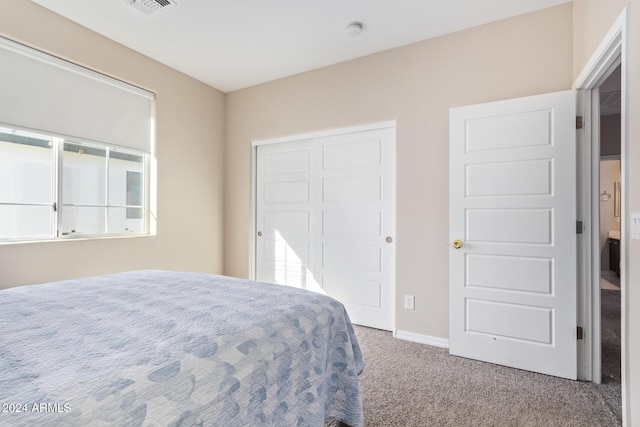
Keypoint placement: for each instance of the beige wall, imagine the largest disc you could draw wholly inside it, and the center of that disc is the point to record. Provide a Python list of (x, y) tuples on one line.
[(189, 155), (416, 85)]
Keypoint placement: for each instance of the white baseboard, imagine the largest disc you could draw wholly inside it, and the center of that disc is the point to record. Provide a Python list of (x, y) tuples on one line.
[(422, 339)]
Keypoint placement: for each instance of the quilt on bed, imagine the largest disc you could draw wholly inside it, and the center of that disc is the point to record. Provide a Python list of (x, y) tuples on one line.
[(154, 348)]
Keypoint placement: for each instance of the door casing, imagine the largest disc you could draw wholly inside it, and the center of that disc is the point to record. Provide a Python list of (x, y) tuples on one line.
[(611, 52)]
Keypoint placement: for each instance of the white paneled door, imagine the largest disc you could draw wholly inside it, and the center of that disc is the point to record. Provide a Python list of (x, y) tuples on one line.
[(512, 263), (325, 219), (284, 210)]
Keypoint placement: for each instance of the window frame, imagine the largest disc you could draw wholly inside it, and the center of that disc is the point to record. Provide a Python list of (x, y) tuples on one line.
[(57, 167)]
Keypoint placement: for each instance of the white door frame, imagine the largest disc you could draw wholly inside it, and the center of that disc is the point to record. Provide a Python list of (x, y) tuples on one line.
[(302, 137), (611, 51)]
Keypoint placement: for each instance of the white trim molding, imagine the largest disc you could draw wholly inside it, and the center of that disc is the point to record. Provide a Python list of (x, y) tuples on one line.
[(422, 339), (610, 48), (611, 52), (323, 133)]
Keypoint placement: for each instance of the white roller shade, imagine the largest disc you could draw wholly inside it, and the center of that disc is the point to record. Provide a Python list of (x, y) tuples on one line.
[(43, 92)]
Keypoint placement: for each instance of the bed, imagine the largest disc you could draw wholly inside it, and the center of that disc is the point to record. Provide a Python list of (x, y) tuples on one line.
[(160, 348)]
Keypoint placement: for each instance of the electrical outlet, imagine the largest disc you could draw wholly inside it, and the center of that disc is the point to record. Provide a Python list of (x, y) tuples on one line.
[(409, 302)]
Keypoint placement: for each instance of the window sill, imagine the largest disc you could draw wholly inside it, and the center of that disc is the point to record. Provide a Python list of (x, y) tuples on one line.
[(75, 238)]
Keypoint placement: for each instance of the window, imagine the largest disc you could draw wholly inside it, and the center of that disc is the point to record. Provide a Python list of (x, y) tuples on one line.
[(51, 187), (75, 146), (134, 194), (26, 185)]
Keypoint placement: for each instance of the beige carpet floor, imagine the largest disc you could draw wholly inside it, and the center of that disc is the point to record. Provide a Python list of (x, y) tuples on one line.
[(409, 384)]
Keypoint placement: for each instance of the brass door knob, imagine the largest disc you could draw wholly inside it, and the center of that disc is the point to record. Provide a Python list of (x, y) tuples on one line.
[(457, 244)]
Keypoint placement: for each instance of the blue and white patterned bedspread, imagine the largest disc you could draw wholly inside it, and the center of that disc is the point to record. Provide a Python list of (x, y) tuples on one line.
[(155, 348)]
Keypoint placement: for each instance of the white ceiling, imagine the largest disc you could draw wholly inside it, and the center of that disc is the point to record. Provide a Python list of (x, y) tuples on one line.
[(233, 44)]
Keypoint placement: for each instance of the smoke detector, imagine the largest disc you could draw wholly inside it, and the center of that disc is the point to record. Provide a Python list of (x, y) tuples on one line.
[(149, 6), (354, 29)]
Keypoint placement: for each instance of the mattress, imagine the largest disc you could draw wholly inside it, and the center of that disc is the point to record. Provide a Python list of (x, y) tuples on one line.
[(155, 348)]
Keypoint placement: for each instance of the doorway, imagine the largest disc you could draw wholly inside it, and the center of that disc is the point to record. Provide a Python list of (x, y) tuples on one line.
[(610, 55), (609, 93)]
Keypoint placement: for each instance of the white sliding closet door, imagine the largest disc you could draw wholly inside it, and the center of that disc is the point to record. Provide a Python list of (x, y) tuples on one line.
[(283, 214), (325, 219)]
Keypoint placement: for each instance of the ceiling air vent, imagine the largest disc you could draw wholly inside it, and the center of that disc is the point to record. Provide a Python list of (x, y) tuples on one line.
[(149, 6)]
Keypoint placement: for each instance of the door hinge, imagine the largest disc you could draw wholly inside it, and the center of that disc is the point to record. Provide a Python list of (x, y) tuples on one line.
[(579, 227), (580, 333), (579, 122)]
